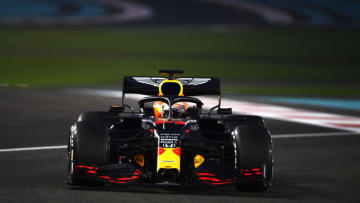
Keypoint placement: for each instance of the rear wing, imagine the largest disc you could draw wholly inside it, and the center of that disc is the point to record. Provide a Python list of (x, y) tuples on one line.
[(191, 86), (196, 86)]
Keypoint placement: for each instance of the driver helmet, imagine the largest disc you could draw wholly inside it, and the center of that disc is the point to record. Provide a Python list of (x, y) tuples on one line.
[(179, 109), (161, 109)]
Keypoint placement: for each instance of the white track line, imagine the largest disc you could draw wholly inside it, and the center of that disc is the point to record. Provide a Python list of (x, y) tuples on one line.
[(281, 136), (304, 135), (33, 148)]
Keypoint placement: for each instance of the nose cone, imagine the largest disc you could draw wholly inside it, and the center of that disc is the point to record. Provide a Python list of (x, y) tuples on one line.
[(169, 152)]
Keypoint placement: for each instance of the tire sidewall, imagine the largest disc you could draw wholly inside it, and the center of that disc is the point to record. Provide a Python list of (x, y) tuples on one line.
[(252, 149)]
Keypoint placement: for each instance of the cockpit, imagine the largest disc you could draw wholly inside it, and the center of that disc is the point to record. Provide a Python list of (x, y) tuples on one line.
[(174, 108)]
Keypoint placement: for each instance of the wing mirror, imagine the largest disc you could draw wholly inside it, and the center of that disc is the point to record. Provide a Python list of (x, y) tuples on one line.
[(224, 111), (117, 109)]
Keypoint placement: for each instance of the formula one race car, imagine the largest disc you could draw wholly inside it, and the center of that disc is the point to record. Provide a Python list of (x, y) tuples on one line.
[(168, 139)]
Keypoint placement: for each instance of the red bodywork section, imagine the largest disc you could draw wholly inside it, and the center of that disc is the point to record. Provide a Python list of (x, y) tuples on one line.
[(210, 178), (92, 171)]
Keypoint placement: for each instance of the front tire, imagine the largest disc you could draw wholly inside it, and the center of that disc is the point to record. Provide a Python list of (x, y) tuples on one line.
[(88, 145), (253, 150)]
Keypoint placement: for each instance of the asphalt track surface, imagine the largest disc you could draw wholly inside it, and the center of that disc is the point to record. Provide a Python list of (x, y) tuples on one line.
[(311, 169)]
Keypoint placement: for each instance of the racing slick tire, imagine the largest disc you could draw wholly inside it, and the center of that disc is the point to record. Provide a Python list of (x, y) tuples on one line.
[(253, 149), (88, 145)]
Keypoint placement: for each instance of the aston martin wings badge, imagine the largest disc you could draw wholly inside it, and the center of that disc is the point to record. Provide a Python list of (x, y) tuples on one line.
[(154, 81), (193, 81)]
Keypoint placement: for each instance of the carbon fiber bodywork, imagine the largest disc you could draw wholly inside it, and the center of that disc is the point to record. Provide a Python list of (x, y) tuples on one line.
[(134, 135), (175, 148)]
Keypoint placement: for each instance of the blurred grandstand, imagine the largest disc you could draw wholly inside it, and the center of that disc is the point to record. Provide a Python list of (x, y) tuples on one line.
[(188, 12), (272, 47)]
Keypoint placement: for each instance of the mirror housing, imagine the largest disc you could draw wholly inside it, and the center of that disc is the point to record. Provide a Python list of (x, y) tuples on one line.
[(117, 109), (224, 111)]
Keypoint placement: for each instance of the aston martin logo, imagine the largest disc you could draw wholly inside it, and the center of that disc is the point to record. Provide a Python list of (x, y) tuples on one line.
[(154, 81), (193, 81)]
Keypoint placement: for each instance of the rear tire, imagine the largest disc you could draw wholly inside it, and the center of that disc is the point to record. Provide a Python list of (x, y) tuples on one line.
[(253, 150)]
